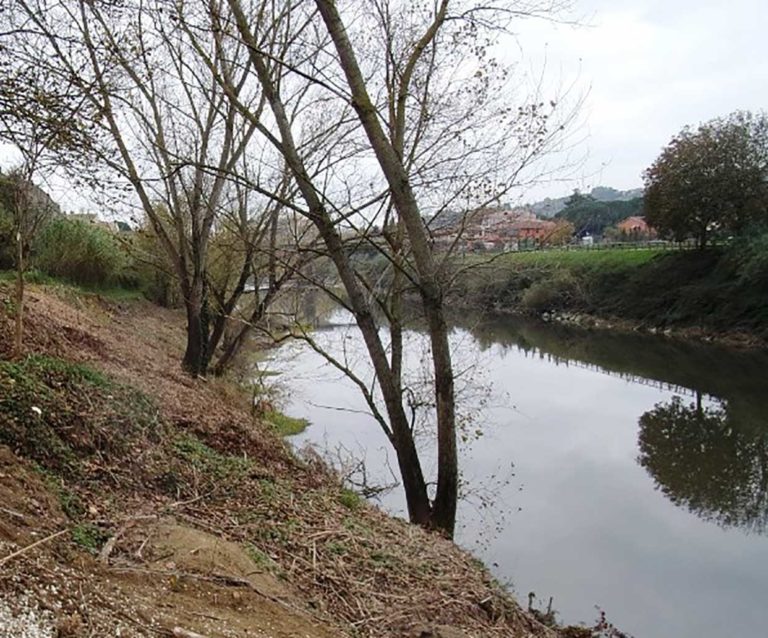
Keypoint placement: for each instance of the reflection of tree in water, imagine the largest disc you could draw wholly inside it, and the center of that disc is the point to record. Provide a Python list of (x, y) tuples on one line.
[(702, 459)]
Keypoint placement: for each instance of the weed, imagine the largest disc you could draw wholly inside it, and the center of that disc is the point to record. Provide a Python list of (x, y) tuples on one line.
[(57, 412), (89, 536), (9, 306), (350, 499), (285, 425), (383, 558), (273, 490), (356, 526), (70, 503), (212, 464), (260, 558)]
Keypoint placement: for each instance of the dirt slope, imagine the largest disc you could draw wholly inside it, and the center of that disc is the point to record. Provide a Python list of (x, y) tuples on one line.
[(183, 514)]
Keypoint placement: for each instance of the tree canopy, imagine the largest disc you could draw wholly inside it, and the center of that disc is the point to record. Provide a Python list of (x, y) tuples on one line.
[(590, 216), (710, 179)]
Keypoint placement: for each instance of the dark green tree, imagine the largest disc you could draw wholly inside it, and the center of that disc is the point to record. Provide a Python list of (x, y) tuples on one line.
[(590, 216), (713, 179)]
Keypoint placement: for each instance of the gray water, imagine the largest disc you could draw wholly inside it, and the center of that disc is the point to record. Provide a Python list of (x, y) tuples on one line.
[(626, 472)]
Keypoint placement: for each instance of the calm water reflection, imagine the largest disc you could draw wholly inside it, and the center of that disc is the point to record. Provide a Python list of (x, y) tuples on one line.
[(640, 468)]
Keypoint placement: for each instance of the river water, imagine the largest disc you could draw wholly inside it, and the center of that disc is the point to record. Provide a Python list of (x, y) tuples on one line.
[(624, 472)]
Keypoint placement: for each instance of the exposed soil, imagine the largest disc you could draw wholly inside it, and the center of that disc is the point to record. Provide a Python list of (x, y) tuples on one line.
[(186, 516)]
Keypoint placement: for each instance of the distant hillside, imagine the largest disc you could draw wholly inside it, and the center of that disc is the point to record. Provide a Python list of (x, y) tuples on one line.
[(37, 196), (549, 207)]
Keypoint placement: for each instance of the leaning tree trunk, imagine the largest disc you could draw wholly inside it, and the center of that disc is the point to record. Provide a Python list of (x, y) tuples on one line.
[(414, 485), (443, 515)]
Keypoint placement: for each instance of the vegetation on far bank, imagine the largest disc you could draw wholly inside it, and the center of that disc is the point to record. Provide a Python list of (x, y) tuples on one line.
[(720, 289)]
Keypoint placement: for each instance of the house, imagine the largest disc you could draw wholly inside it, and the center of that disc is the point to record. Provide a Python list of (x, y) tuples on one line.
[(534, 229), (492, 229), (636, 227)]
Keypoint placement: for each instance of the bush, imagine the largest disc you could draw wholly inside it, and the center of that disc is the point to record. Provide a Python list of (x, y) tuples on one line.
[(151, 270), (749, 253), (551, 293), (7, 243), (79, 251)]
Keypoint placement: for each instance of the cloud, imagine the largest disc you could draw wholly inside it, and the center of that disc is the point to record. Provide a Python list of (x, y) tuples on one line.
[(651, 68)]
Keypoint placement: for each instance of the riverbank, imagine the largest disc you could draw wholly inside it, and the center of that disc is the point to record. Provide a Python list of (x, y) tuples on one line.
[(713, 295), (136, 499)]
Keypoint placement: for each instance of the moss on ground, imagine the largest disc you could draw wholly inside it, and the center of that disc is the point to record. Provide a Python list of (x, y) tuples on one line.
[(214, 465), (61, 413)]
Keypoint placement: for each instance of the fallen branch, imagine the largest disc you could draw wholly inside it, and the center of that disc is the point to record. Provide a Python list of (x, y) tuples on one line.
[(13, 513), (24, 550), (184, 633), (109, 546)]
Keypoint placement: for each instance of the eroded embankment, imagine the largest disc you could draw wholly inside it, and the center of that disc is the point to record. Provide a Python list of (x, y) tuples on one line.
[(162, 507)]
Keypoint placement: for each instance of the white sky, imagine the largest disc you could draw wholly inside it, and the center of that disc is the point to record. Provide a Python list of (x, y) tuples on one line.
[(648, 68)]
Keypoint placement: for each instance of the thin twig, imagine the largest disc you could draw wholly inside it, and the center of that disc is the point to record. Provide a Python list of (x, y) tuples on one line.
[(23, 550)]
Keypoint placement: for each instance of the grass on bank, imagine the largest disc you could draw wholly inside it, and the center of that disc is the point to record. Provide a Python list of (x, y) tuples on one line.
[(64, 288), (604, 258), (285, 425), (723, 288)]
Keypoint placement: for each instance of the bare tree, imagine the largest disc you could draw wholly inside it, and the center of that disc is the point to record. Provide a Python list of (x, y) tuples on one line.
[(411, 145), (214, 104), (168, 135), (41, 119)]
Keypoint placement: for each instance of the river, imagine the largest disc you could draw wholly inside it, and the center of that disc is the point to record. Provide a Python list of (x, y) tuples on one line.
[(624, 472)]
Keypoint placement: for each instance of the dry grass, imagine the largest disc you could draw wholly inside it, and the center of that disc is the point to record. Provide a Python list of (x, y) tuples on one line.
[(219, 471)]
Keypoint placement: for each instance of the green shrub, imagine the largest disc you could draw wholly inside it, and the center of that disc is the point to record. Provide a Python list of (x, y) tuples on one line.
[(80, 252), (555, 292)]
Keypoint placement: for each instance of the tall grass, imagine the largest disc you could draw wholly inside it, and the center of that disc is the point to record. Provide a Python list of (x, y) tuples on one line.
[(80, 252)]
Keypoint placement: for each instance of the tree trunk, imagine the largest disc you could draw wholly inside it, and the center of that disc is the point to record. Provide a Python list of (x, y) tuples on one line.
[(414, 485), (703, 238), (18, 340), (444, 508), (194, 361)]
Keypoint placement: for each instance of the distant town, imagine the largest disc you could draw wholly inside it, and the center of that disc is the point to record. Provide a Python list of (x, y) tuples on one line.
[(604, 215)]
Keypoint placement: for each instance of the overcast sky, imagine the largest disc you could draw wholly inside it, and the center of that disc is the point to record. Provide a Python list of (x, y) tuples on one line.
[(648, 68)]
